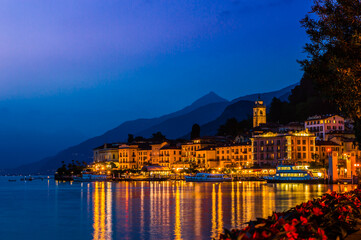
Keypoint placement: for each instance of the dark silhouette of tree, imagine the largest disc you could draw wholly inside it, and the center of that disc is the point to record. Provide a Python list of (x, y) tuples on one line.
[(277, 109), (130, 138), (234, 128), (196, 131), (139, 139), (305, 100), (334, 54), (158, 137)]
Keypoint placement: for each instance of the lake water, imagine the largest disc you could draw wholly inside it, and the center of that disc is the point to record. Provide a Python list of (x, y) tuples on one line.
[(140, 210)]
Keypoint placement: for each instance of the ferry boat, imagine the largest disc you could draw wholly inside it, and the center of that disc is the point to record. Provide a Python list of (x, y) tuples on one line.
[(208, 177), (292, 174)]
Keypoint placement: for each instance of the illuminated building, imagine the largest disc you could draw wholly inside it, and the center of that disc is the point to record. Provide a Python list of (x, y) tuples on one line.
[(169, 154), (189, 149), (239, 155), (107, 153), (155, 156), (320, 125), (269, 148), (206, 158), (324, 150), (128, 156)]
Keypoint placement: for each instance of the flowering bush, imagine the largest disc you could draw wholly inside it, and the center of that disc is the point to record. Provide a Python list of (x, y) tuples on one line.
[(334, 215)]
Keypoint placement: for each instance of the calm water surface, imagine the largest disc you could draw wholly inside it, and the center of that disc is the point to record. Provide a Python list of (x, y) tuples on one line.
[(140, 210)]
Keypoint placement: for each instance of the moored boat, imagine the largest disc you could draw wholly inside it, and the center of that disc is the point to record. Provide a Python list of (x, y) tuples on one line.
[(293, 174), (208, 177)]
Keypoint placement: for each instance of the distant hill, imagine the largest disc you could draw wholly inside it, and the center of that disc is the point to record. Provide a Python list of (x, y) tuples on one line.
[(176, 127), (282, 94), (202, 110), (240, 110), (209, 111)]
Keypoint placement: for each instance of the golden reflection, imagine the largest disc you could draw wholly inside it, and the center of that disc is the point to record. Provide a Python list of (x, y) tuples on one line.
[(197, 212), (238, 207), (220, 210), (233, 212), (102, 211), (214, 213), (177, 225), (142, 208)]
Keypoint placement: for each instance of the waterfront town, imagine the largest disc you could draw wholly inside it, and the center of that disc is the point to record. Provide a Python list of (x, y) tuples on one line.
[(312, 142)]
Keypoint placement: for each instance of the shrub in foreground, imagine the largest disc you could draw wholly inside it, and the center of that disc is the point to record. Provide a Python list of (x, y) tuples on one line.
[(333, 216)]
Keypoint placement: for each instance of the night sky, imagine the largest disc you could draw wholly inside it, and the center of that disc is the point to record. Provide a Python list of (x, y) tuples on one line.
[(70, 69)]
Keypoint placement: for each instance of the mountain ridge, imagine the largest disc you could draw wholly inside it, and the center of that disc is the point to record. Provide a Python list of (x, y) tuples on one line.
[(214, 109)]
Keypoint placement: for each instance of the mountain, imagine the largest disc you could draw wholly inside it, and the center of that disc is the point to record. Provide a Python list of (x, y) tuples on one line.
[(282, 94), (209, 111), (240, 110), (176, 127), (201, 111)]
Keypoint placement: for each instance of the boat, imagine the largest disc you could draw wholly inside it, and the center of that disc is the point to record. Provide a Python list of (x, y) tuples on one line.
[(292, 174), (208, 177)]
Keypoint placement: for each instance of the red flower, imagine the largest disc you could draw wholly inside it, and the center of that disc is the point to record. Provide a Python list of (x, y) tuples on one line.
[(303, 220), (266, 234), (322, 234), (317, 211), (299, 210), (289, 228), (294, 222), (291, 231), (256, 235), (292, 235)]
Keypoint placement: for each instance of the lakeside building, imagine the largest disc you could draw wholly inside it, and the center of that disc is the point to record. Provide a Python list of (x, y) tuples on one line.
[(239, 155), (324, 150), (109, 152), (269, 148), (320, 125), (169, 155), (189, 149)]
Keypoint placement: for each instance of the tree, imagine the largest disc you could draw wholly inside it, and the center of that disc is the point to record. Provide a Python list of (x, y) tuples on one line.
[(234, 128), (196, 131), (158, 137), (230, 128), (334, 54), (130, 138)]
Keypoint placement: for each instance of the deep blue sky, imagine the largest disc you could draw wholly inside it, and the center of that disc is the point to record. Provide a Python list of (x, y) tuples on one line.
[(78, 68)]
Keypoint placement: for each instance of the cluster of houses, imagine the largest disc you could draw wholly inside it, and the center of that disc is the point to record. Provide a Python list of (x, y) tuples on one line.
[(312, 141)]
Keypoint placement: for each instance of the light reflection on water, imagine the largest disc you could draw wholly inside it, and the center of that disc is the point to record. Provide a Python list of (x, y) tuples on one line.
[(179, 210), (141, 210)]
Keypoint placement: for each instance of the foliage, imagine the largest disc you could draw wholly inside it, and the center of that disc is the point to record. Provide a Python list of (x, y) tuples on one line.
[(139, 139), (334, 54), (130, 138), (158, 137), (305, 101), (196, 131), (73, 168), (329, 217), (234, 128)]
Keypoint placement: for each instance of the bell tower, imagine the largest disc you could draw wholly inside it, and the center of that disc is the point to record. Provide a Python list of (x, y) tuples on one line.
[(259, 113)]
